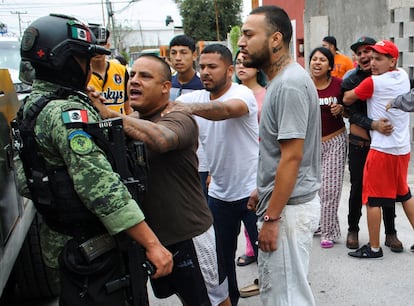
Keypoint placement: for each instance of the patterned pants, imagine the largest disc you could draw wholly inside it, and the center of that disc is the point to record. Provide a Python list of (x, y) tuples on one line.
[(334, 153)]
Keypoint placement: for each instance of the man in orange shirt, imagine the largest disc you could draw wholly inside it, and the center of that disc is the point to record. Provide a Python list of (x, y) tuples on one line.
[(342, 63)]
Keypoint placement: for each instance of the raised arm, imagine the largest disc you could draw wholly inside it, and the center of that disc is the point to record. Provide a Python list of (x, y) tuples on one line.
[(157, 137), (214, 110)]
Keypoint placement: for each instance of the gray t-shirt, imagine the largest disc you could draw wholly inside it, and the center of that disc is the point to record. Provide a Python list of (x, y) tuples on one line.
[(290, 111)]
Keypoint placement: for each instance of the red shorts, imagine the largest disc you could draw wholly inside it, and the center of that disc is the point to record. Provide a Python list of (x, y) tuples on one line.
[(385, 179)]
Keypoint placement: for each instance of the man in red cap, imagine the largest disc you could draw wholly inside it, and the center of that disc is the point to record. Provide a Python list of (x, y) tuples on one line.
[(359, 142), (386, 167)]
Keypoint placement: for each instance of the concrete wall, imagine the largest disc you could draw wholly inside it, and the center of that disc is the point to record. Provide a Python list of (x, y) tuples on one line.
[(295, 9), (349, 19), (346, 20)]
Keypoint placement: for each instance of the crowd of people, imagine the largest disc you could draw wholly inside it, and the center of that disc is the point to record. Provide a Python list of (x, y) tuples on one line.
[(157, 173)]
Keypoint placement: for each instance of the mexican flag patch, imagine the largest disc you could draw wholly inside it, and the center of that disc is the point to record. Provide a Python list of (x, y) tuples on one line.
[(80, 115), (81, 34)]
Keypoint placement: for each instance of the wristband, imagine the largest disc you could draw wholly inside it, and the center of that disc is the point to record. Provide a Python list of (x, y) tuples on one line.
[(266, 218)]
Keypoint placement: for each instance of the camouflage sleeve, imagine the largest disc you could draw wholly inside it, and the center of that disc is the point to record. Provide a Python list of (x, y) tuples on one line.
[(21, 177), (97, 185)]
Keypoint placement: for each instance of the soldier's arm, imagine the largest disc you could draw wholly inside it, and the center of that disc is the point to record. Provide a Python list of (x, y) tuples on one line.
[(101, 189), (98, 187), (155, 251), (21, 177)]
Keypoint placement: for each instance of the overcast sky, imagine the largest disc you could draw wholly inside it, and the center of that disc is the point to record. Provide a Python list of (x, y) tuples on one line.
[(143, 13)]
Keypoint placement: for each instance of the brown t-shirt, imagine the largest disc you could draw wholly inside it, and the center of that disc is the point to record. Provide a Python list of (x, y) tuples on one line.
[(174, 205)]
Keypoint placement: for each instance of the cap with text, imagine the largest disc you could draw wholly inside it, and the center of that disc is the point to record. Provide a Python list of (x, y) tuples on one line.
[(386, 47)]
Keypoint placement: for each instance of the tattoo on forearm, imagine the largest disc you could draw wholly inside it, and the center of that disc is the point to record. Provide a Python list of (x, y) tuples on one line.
[(157, 138), (212, 109)]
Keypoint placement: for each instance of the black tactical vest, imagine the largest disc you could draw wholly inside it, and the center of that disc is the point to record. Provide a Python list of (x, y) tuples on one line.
[(52, 190)]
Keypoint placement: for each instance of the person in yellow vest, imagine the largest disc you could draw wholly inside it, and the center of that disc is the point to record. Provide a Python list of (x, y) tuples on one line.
[(109, 77)]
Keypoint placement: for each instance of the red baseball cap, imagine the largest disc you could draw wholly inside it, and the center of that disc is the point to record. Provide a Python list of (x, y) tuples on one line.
[(385, 47)]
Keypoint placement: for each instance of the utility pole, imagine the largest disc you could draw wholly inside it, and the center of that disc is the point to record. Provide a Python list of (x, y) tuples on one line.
[(20, 21), (217, 24), (103, 13), (111, 22)]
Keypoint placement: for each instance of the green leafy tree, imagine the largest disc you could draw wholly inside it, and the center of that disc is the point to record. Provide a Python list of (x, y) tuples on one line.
[(199, 17), (234, 36)]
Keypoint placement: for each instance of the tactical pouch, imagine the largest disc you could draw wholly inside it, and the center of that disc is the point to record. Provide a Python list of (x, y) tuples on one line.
[(83, 283)]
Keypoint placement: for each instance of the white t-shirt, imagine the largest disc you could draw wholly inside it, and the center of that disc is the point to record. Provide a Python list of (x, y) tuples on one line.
[(202, 158), (378, 90), (231, 145)]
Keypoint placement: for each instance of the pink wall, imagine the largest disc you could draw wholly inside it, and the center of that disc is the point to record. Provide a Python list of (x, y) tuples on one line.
[(295, 10)]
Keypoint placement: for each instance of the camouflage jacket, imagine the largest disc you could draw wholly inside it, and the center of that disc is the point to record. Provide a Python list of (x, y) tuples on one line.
[(87, 165)]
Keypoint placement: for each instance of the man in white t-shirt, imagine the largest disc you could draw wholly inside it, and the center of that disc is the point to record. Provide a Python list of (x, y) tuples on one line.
[(230, 139)]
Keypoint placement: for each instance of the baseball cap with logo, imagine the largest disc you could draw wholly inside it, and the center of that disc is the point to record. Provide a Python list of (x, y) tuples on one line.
[(386, 47), (362, 41)]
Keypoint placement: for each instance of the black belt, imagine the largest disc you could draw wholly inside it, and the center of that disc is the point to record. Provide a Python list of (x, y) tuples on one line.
[(359, 142)]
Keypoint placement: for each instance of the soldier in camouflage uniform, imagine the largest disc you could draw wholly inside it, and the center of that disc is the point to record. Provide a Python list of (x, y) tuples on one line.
[(59, 48)]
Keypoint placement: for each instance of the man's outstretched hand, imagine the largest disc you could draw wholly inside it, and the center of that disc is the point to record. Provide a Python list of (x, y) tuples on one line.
[(98, 102)]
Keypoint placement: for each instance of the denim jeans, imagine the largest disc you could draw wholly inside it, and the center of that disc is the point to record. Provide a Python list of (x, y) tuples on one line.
[(227, 222)]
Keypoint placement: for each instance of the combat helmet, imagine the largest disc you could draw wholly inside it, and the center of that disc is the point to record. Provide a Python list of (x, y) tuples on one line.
[(101, 33), (50, 44)]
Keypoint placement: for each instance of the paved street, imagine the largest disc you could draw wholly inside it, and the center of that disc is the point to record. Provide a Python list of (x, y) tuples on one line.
[(338, 279)]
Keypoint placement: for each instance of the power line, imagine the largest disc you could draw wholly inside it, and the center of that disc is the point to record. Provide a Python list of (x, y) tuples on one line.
[(41, 5), (18, 13)]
